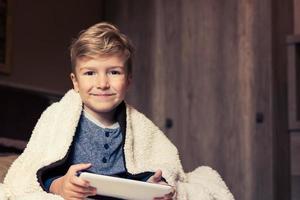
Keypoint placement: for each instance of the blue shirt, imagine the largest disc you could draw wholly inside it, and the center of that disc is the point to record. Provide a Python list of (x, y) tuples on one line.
[(93, 143), (96, 144)]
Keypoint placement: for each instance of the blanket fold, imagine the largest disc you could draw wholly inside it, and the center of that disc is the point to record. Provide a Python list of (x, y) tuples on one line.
[(146, 148)]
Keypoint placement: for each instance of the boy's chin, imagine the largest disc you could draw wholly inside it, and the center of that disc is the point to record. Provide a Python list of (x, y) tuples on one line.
[(104, 108)]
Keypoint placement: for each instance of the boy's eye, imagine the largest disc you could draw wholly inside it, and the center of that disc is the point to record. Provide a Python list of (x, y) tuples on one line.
[(114, 72), (89, 73)]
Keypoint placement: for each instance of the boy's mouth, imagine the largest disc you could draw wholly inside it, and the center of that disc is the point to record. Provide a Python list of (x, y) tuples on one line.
[(103, 94)]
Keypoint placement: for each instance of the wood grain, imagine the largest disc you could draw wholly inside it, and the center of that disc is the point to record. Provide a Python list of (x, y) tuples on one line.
[(208, 66)]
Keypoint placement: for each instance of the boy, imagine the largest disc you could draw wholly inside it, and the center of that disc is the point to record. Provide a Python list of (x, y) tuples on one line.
[(93, 129), (101, 75)]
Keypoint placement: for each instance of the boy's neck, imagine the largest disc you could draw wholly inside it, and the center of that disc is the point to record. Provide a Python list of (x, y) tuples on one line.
[(107, 119)]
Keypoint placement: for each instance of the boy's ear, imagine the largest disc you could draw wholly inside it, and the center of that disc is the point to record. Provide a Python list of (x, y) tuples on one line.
[(74, 81)]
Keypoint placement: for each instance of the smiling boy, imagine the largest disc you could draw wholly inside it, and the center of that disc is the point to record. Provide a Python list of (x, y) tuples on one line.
[(101, 74), (93, 129), (102, 83)]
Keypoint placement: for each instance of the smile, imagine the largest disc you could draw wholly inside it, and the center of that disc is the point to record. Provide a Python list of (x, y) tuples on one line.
[(103, 94)]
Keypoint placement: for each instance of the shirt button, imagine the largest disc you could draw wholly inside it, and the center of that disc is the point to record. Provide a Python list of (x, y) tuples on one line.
[(107, 134), (104, 160), (106, 146)]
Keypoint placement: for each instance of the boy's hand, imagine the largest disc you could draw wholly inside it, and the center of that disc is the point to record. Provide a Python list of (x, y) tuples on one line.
[(71, 187), (156, 178)]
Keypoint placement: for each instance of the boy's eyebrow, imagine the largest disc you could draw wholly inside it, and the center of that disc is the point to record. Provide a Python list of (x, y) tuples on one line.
[(92, 68), (112, 67), (85, 68)]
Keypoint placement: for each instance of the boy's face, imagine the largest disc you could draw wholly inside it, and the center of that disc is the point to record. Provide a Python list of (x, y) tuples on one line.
[(102, 83)]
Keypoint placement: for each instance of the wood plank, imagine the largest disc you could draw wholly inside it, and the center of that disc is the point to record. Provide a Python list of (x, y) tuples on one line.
[(282, 15), (295, 150)]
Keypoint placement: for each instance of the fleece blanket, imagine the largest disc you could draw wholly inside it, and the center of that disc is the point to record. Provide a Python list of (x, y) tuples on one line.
[(53, 135)]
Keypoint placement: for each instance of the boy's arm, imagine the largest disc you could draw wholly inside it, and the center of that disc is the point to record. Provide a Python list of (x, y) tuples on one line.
[(70, 185), (48, 182)]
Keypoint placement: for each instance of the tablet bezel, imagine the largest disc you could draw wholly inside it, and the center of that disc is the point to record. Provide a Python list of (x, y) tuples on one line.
[(125, 188)]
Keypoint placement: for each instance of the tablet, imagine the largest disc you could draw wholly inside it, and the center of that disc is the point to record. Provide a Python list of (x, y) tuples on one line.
[(125, 188)]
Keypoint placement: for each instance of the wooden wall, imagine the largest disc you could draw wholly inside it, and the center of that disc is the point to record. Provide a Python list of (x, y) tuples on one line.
[(204, 72)]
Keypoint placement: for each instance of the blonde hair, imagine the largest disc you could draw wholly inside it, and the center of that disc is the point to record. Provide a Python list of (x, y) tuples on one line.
[(102, 39)]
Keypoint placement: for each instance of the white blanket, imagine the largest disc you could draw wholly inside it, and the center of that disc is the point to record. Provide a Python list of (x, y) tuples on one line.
[(53, 135)]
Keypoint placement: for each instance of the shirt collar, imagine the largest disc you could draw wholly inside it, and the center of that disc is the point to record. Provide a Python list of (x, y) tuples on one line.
[(98, 123)]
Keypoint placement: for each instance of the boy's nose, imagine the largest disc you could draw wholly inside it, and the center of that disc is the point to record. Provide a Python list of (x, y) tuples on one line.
[(102, 82)]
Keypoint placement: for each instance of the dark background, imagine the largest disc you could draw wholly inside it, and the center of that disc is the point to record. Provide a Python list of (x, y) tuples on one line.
[(2, 30)]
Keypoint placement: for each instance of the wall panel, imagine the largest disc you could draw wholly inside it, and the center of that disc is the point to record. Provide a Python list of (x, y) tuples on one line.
[(206, 66)]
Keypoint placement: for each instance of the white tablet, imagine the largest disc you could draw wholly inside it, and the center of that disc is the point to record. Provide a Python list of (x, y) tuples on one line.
[(125, 188)]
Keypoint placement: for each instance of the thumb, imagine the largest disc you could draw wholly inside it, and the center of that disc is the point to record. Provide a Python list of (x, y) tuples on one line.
[(157, 176), (78, 167)]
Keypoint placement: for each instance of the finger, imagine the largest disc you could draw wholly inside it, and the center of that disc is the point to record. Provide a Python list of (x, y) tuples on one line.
[(93, 191), (83, 190), (77, 196), (74, 198), (82, 193), (78, 167), (170, 195), (79, 182), (172, 192), (157, 176), (166, 197)]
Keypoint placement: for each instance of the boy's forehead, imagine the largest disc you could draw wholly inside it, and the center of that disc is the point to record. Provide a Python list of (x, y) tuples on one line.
[(105, 59)]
